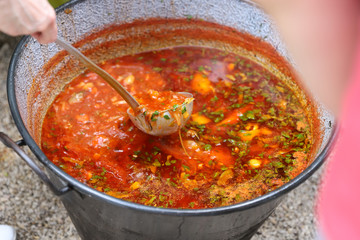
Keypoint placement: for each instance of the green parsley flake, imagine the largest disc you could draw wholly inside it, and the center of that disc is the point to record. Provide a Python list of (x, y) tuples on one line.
[(207, 147)]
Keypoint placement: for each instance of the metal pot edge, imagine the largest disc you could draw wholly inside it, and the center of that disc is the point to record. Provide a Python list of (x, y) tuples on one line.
[(84, 189)]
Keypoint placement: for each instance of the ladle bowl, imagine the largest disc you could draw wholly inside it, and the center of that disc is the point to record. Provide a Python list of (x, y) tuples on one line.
[(168, 122)]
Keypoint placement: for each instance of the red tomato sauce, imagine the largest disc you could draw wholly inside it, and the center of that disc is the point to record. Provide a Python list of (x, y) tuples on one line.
[(160, 101), (247, 135)]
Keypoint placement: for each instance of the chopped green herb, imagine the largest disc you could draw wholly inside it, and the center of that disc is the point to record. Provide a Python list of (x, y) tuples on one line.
[(186, 167), (156, 163), (152, 200), (285, 134), (250, 115), (184, 68), (224, 168), (183, 110), (207, 147), (214, 99), (189, 17), (175, 107)]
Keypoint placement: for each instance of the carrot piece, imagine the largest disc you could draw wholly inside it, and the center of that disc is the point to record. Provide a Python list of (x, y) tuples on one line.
[(234, 116), (201, 84), (231, 66), (240, 98), (200, 119), (135, 186), (153, 169)]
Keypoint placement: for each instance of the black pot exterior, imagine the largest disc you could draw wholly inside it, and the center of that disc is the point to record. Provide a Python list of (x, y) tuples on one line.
[(96, 219), (99, 216)]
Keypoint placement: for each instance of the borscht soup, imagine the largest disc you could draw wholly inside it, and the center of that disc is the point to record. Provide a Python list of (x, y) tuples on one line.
[(248, 133)]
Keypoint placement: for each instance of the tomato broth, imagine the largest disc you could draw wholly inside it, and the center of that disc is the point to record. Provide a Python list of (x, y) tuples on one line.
[(248, 134)]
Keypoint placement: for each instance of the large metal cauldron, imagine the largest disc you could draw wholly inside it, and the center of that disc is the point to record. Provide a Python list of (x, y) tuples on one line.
[(33, 84)]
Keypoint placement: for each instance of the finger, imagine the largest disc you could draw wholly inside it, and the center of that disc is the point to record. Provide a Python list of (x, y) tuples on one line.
[(48, 35)]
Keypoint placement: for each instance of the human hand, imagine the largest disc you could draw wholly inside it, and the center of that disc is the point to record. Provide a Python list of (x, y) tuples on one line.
[(34, 17)]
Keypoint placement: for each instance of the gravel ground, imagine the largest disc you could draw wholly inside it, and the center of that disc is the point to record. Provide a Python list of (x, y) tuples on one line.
[(27, 204)]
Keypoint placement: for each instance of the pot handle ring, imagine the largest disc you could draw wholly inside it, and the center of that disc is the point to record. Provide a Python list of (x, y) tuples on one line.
[(16, 147)]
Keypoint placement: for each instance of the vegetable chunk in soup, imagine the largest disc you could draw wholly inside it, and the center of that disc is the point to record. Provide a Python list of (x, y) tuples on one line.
[(247, 135)]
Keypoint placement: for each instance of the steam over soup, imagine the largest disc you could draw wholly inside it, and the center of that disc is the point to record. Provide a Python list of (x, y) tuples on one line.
[(247, 135)]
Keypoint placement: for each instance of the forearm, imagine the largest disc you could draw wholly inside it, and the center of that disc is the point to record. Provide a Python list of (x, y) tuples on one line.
[(321, 36), (33, 17)]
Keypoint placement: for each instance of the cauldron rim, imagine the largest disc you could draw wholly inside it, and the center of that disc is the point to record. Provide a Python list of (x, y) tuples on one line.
[(84, 189)]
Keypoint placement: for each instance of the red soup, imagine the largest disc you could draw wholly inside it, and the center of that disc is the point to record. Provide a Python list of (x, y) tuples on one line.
[(247, 135)]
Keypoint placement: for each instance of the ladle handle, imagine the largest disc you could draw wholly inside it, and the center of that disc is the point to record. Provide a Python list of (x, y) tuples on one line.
[(11, 144), (106, 76)]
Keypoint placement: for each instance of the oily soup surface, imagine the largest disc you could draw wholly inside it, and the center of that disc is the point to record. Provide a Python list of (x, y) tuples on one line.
[(247, 135)]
